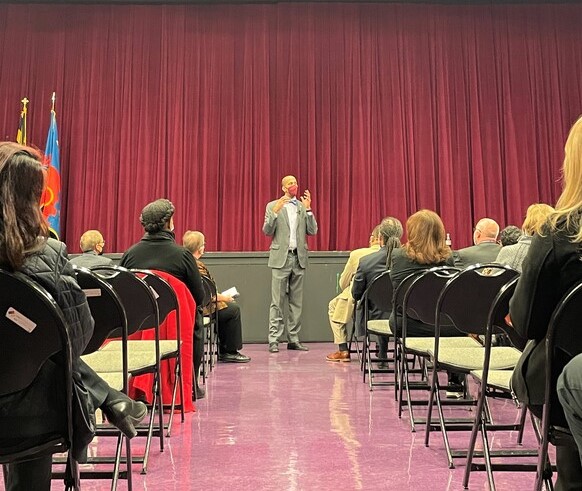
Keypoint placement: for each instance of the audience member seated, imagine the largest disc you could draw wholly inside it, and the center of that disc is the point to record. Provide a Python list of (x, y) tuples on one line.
[(513, 255), (25, 247), (370, 267), (509, 235), (92, 245), (425, 249), (341, 308), (158, 250), (550, 269), (486, 247), (229, 322)]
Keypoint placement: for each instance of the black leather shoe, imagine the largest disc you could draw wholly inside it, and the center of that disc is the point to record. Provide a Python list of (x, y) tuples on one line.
[(125, 414), (297, 346), (233, 358), (273, 348)]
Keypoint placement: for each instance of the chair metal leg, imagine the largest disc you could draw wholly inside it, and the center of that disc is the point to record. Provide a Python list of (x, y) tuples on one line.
[(473, 440), (369, 361), (522, 417), (433, 387), (487, 455), (443, 427)]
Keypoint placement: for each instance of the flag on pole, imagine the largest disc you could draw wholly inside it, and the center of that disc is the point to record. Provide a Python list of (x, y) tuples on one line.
[(21, 133), (51, 199)]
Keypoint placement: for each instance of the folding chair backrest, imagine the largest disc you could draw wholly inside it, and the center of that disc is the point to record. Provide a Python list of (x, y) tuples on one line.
[(140, 306), (162, 291), (380, 292), (400, 292), (209, 291), (106, 308), (563, 342), (423, 293), (467, 298), (32, 329)]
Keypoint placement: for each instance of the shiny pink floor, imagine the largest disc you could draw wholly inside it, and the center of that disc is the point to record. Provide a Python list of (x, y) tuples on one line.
[(292, 421)]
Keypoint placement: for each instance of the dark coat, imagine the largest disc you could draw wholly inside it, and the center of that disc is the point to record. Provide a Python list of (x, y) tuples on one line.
[(369, 268), (42, 403), (552, 266), (160, 251)]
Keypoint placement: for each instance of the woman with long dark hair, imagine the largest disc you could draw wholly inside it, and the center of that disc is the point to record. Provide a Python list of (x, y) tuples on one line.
[(25, 247)]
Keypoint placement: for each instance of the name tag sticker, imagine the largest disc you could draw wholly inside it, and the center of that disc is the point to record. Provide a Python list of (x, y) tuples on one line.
[(20, 319), (92, 292), (154, 293)]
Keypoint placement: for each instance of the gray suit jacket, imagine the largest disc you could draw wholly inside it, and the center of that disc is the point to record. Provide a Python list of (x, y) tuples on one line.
[(485, 252), (90, 259), (277, 226)]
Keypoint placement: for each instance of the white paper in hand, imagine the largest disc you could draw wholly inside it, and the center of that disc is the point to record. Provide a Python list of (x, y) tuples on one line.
[(231, 292)]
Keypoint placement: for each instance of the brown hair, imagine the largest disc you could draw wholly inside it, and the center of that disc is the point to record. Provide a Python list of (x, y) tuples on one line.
[(23, 229), (426, 238)]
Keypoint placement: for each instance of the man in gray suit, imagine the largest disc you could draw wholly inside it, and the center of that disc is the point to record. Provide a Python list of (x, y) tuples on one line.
[(92, 245), (486, 247), (288, 221)]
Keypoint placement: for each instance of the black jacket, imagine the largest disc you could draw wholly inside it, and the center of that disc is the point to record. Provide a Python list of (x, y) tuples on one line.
[(552, 266), (160, 251), (42, 404)]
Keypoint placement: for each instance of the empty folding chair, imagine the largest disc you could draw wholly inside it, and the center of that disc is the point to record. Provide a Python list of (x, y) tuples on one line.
[(466, 302), (495, 384), (142, 313)]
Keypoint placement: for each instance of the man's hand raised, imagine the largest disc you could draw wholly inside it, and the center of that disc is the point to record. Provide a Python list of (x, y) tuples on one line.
[(281, 202)]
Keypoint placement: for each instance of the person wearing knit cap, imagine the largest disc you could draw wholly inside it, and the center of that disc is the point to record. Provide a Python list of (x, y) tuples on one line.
[(157, 249)]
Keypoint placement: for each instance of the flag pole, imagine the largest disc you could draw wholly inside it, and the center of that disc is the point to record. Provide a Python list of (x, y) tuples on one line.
[(24, 101), (53, 99)]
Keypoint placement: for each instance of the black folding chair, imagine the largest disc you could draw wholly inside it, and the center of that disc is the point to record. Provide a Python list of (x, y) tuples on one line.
[(170, 349), (419, 301), (110, 321), (32, 330), (496, 384), (466, 302), (142, 313), (563, 342), (378, 295), (210, 326)]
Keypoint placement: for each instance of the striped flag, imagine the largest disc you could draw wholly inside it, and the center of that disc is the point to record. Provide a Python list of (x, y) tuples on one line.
[(51, 199), (21, 133)]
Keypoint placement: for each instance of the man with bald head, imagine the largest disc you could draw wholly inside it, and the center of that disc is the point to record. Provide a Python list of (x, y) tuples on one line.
[(288, 221), (486, 247)]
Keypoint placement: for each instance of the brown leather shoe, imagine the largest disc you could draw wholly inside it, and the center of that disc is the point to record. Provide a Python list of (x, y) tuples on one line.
[(339, 356)]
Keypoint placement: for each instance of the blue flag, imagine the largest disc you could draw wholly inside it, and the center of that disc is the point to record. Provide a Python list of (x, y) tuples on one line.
[(51, 199)]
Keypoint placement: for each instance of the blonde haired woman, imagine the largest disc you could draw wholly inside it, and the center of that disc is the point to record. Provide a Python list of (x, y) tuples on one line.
[(550, 269), (535, 217)]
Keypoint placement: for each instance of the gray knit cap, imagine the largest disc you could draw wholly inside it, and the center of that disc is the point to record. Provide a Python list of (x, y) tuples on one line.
[(156, 214)]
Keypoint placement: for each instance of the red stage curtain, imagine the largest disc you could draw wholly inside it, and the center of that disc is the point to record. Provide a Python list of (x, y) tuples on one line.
[(377, 108)]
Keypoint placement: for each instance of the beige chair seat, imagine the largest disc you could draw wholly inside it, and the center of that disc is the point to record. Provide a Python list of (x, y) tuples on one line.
[(467, 360), (167, 346), (498, 379), (422, 346), (379, 326), (110, 361)]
